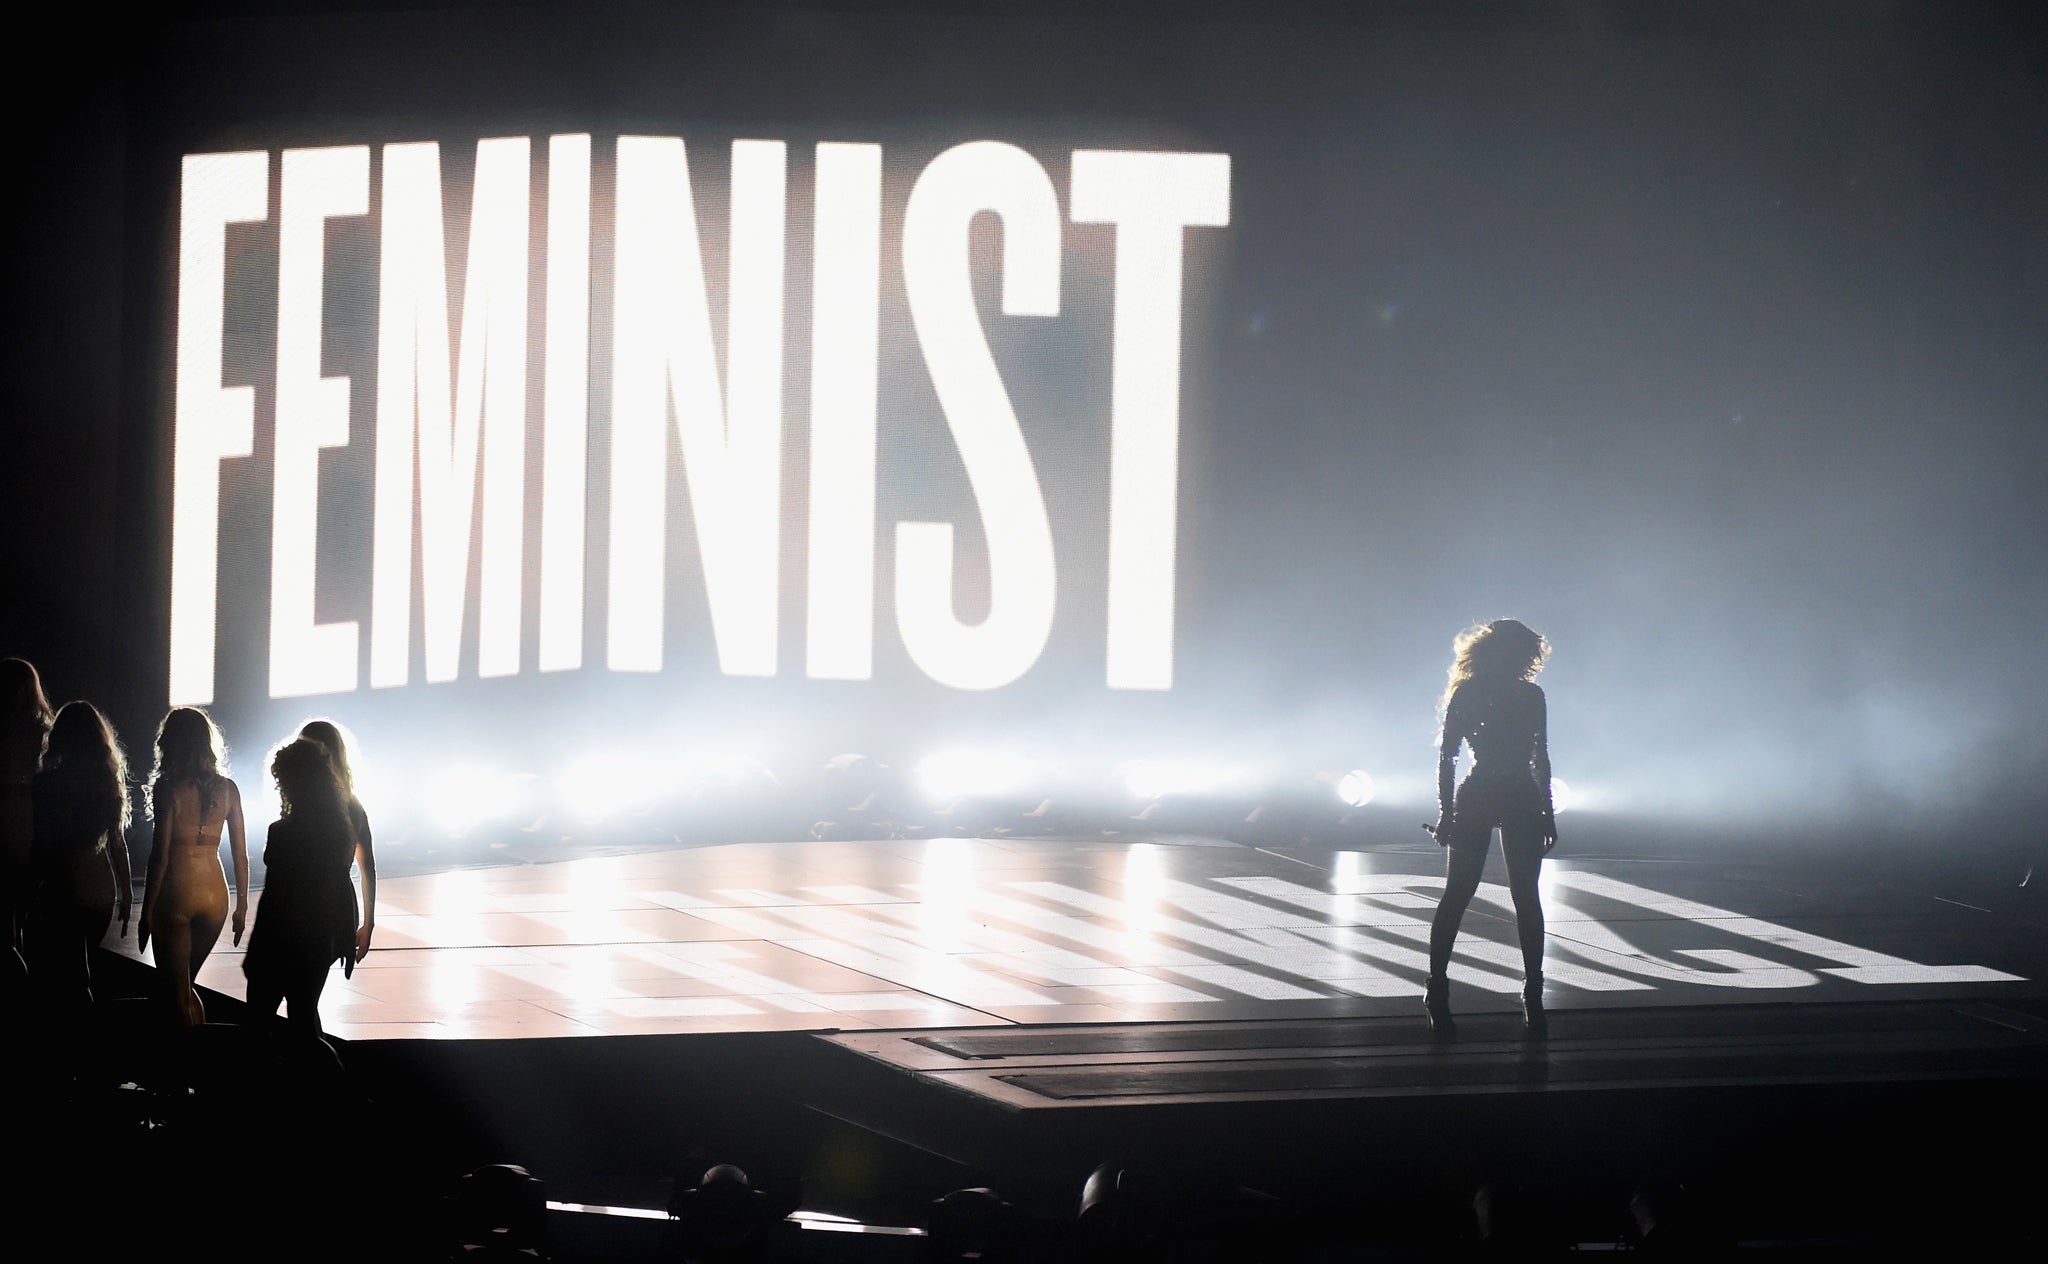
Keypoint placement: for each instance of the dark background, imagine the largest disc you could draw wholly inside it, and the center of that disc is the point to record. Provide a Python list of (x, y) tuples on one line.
[(1706, 338)]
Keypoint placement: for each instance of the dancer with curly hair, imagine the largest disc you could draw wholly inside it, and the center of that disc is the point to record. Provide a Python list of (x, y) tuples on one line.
[(306, 920), (1493, 704)]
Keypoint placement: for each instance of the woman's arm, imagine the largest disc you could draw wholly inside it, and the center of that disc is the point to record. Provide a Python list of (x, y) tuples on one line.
[(159, 853), (238, 847), (1452, 737), (366, 860), (1539, 759), (124, 877)]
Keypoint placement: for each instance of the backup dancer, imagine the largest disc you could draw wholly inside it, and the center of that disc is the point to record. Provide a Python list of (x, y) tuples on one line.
[(185, 902)]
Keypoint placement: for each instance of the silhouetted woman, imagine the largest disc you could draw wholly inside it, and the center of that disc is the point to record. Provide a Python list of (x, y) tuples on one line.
[(331, 739), (79, 856), (22, 728), (1493, 704), (185, 900), (306, 920)]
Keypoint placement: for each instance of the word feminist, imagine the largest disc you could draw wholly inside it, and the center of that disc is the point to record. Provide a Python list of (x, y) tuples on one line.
[(450, 431)]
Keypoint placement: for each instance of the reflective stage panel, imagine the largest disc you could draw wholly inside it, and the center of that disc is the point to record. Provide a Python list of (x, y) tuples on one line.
[(978, 932)]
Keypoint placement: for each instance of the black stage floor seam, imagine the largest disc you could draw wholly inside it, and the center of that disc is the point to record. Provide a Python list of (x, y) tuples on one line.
[(1777, 1018), (1423, 1050), (1503, 1071)]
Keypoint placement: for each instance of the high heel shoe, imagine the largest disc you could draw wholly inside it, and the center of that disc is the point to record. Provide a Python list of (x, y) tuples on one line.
[(1534, 1021), (1436, 1004)]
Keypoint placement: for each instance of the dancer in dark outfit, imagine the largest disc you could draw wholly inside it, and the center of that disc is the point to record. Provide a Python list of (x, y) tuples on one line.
[(306, 916), (1493, 703), (336, 743), (79, 858)]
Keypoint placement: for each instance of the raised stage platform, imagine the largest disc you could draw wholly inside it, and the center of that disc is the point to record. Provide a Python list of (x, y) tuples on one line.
[(1836, 1058), (955, 933)]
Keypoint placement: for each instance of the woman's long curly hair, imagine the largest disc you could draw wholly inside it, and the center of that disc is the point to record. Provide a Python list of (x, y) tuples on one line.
[(83, 758), (1503, 648), (308, 783), (189, 750)]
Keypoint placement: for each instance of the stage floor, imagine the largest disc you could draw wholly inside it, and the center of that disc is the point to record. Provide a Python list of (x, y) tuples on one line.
[(952, 933)]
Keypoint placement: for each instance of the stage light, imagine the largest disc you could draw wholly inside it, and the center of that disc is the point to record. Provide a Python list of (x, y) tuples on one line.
[(1156, 779), (951, 775), (1354, 788), (1560, 794), (459, 799)]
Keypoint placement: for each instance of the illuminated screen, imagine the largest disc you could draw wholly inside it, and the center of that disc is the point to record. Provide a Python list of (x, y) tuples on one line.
[(1098, 387), (462, 379)]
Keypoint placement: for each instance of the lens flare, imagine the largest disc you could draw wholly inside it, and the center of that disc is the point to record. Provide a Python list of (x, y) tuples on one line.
[(1560, 794), (1354, 788)]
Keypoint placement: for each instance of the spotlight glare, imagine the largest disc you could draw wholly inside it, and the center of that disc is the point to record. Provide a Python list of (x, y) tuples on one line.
[(972, 774), (1354, 788), (1560, 794)]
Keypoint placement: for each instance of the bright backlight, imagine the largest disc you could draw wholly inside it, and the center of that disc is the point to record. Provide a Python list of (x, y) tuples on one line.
[(1354, 788)]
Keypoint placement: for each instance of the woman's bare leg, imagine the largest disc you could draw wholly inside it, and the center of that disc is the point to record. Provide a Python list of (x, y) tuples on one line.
[(205, 934), (174, 963)]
